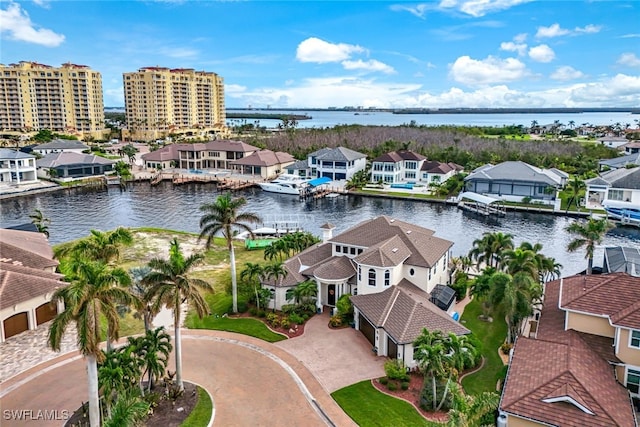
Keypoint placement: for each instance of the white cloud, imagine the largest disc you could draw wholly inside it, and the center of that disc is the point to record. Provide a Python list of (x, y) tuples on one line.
[(631, 36), (370, 65), (418, 10), (521, 48), (555, 30), (542, 53), (620, 90), (319, 51), (487, 71), (565, 73), (478, 8), (17, 25), (520, 38), (42, 3), (629, 60)]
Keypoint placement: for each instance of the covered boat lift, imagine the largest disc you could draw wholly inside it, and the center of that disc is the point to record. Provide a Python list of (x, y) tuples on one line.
[(480, 204)]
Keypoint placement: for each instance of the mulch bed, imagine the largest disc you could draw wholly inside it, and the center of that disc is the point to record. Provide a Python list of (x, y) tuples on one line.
[(412, 395), (292, 332), (168, 413)]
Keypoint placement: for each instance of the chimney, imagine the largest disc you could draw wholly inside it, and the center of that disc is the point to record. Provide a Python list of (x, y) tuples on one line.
[(327, 231)]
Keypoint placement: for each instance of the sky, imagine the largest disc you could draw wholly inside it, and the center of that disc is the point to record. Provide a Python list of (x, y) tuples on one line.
[(385, 54)]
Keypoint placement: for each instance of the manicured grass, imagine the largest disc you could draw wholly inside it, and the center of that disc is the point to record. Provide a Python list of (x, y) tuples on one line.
[(400, 194), (201, 414), (369, 407), (491, 335), (129, 325), (245, 326)]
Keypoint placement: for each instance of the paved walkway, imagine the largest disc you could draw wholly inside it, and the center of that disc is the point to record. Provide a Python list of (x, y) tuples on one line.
[(240, 372), (336, 357)]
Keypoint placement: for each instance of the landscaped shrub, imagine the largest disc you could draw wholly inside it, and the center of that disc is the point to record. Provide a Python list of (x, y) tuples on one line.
[(426, 395), (392, 386), (261, 313), (242, 306), (289, 308), (335, 321), (296, 319), (395, 370), (285, 323), (384, 380), (253, 311), (305, 316), (404, 385), (345, 307), (506, 348), (272, 319)]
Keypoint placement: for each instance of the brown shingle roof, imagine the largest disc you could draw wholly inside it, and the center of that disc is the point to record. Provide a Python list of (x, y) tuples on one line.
[(437, 167), (27, 248), (19, 283), (566, 370), (389, 253), (265, 158), (398, 156), (615, 295), (403, 311), (170, 152), (339, 268), (425, 249)]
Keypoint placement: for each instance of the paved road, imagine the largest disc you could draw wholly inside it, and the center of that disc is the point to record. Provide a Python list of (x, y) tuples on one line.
[(253, 383)]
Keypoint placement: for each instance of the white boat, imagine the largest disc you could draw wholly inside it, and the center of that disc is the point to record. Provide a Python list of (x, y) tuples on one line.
[(285, 184)]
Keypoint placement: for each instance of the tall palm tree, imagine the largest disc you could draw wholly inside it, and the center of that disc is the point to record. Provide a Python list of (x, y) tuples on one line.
[(481, 289), (94, 291), (520, 260), (171, 285), (40, 221), (589, 234), (459, 352), (429, 352), (489, 248), (153, 349), (99, 246), (277, 272), (574, 187), (251, 273), (222, 216), (139, 289), (514, 296)]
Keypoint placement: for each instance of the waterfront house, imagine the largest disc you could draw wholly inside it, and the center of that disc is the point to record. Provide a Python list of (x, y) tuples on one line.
[(299, 168), (620, 259), (27, 281), (335, 163), (620, 162), (433, 172), (631, 147), (515, 180), (73, 165), (613, 141), (390, 268), (397, 167), (61, 146), (585, 352), (264, 163), (17, 167), (216, 154), (618, 189)]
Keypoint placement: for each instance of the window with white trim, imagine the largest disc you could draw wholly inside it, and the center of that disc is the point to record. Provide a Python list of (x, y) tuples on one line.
[(633, 381), (387, 277), (635, 339), (359, 274), (372, 277)]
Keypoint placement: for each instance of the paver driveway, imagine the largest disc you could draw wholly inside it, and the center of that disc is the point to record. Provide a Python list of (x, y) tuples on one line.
[(253, 383), (336, 357)]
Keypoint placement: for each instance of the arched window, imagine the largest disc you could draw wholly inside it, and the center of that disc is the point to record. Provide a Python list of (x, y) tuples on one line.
[(387, 277), (372, 277)]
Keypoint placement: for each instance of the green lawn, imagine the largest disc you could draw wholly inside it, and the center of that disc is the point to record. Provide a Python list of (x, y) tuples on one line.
[(245, 326), (201, 414), (369, 407), (491, 335)]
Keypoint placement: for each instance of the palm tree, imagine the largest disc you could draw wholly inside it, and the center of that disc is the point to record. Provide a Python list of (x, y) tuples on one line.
[(118, 373), (40, 221), (170, 285), (94, 291), (429, 352), (481, 289), (589, 235), (574, 187), (468, 410), (99, 246), (251, 273), (520, 260), (146, 312), (128, 410), (222, 216), (489, 248), (304, 293), (153, 349), (459, 352), (277, 272)]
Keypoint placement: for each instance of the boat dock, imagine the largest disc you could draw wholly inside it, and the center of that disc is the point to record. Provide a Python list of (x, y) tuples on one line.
[(481, 205), (223, 181), (312, 193)]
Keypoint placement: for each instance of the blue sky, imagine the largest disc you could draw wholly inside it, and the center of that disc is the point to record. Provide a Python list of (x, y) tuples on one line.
[(448, 53)]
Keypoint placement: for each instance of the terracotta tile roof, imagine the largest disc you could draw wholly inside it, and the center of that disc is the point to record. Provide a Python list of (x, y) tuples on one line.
[(389, 253), (27, 248), (425, 249), (339, 268), (265, 158), (616, 295), (19, 283), (565, 371), (403, 311)]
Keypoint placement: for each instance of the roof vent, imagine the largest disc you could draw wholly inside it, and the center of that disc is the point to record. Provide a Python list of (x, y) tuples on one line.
[(394, 250), (392, 220), (408, 231)]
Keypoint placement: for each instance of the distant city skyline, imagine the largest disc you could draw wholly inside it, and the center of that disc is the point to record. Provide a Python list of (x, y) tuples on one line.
[(294, 54)]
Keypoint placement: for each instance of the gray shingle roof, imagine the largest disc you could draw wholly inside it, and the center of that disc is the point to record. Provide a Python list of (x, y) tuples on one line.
[(403, 311), (517, 171), (340, 154), (619, 178), (299, 165), (622, 260), (6, 153), (53, 160), (62, 144), (622, 161)]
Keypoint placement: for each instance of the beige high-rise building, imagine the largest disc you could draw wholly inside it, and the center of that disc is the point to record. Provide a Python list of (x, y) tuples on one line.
[(161, 102), (36, 97)]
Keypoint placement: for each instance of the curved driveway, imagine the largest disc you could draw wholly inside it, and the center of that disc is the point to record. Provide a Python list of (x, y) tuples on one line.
[(253, 383)]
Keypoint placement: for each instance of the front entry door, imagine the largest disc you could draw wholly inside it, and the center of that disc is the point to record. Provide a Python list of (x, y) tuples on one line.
[(331, 297)]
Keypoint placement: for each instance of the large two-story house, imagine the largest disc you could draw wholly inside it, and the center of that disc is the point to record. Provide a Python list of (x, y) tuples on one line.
[(515, 180), (406, 166), (17, 167), (618, 191), (583, 366), (218, 154), (60, 146), (395, 272)]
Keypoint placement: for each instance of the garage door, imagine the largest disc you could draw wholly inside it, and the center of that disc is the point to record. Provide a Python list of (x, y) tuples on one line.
[(45, 312), (367, 329), (392, 348), (15, 324)]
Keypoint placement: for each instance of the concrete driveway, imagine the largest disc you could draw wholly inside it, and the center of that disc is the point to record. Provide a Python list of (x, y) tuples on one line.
[(336, 357)]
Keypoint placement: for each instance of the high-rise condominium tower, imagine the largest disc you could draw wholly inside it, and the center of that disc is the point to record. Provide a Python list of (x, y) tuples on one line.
[(35, 97), (161, 102)]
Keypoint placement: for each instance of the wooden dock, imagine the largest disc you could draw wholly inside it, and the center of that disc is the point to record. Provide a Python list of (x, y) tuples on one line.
[(321, 193), (234, 185), (188, 179)]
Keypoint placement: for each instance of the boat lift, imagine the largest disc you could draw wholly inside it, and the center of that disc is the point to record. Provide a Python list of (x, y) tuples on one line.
[(481, 204)]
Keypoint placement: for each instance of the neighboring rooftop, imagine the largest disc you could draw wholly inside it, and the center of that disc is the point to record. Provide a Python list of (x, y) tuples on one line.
[(618, 178), (340, 154), (62, 144), (53, 160), (265, 158), (518, 171), (6, 153)]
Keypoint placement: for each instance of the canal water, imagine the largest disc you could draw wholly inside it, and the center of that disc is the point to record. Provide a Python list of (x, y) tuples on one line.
[(74, 212)]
